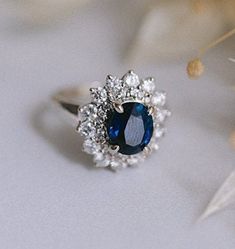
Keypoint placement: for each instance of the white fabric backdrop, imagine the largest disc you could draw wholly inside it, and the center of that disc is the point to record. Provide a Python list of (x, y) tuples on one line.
[(51, 197)]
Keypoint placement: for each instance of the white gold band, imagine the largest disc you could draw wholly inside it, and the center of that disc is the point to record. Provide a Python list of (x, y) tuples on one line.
[(69, 100)]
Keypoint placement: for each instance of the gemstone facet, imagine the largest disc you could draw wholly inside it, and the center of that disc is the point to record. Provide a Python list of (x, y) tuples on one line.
[(131, 130)]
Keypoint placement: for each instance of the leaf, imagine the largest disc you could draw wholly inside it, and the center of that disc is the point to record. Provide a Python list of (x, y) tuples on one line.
[(223, 197), (172, 29)]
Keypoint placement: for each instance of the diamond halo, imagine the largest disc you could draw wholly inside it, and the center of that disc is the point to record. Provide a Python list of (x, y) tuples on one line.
[(111, 97)]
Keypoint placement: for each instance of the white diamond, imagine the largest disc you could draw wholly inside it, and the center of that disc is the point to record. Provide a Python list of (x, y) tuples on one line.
[(112, 81), (148, 85), (131, 79), (134, 92), (162, 114), (159, 98), (99, 94), (159, 132), (155, 146), (117, 165), (90, 147), (132, 161), (114, 164), (140, 94), (103, 163), (86, 128), (113, 84), (102, 115), (114, 88), (89, 111), (98, 157)]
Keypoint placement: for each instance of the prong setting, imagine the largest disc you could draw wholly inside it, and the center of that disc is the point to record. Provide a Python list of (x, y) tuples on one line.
[(118, 107), (147, 150), (113, 149), (113, 97), (109, 77), (131, 71), (151, 110)]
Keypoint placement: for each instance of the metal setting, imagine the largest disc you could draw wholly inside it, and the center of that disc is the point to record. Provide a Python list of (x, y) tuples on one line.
[(118, 107), (91, 117)]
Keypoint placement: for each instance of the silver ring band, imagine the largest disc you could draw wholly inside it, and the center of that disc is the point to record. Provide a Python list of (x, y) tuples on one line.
[(69, 100)]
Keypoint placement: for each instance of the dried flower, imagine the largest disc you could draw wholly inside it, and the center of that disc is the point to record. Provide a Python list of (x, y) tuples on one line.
[(163, 32), (195, 68)]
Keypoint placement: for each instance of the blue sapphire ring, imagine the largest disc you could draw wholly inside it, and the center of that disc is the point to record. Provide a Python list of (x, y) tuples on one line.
[(123, 122)]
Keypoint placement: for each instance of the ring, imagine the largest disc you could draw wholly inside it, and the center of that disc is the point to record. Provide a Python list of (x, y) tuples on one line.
[(123, 122)]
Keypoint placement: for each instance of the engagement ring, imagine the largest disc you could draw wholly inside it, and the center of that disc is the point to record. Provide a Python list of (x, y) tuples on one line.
[(123, 122)]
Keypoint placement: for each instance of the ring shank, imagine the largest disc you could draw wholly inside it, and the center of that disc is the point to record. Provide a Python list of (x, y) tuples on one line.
[(71, 99)]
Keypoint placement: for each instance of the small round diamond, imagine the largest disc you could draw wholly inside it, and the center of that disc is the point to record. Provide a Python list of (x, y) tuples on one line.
[(159, 131), (134, 92), (86, 128), (159, 98), (131, 79), (112, 81), (148, 85), (99, 95), (132, 161), (88, 111), (140, 94), (103, 163), (98, 156), (156, 146), (90, 147), (114, 88), (162, 115)]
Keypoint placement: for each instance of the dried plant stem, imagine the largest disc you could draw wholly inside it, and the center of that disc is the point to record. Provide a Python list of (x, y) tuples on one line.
[(195, 67), (216, 42)]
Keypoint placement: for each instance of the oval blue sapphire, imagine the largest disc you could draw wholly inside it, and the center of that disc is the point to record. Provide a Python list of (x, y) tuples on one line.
[(131, 130)]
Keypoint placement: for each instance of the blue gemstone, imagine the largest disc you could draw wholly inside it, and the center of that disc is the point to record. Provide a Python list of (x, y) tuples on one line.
[(131, 130)]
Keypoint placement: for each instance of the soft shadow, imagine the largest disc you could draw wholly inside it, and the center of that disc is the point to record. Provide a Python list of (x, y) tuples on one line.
[(60, 135)]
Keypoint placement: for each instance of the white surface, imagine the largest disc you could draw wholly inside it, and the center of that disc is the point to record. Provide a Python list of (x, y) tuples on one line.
[(50, 196)]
